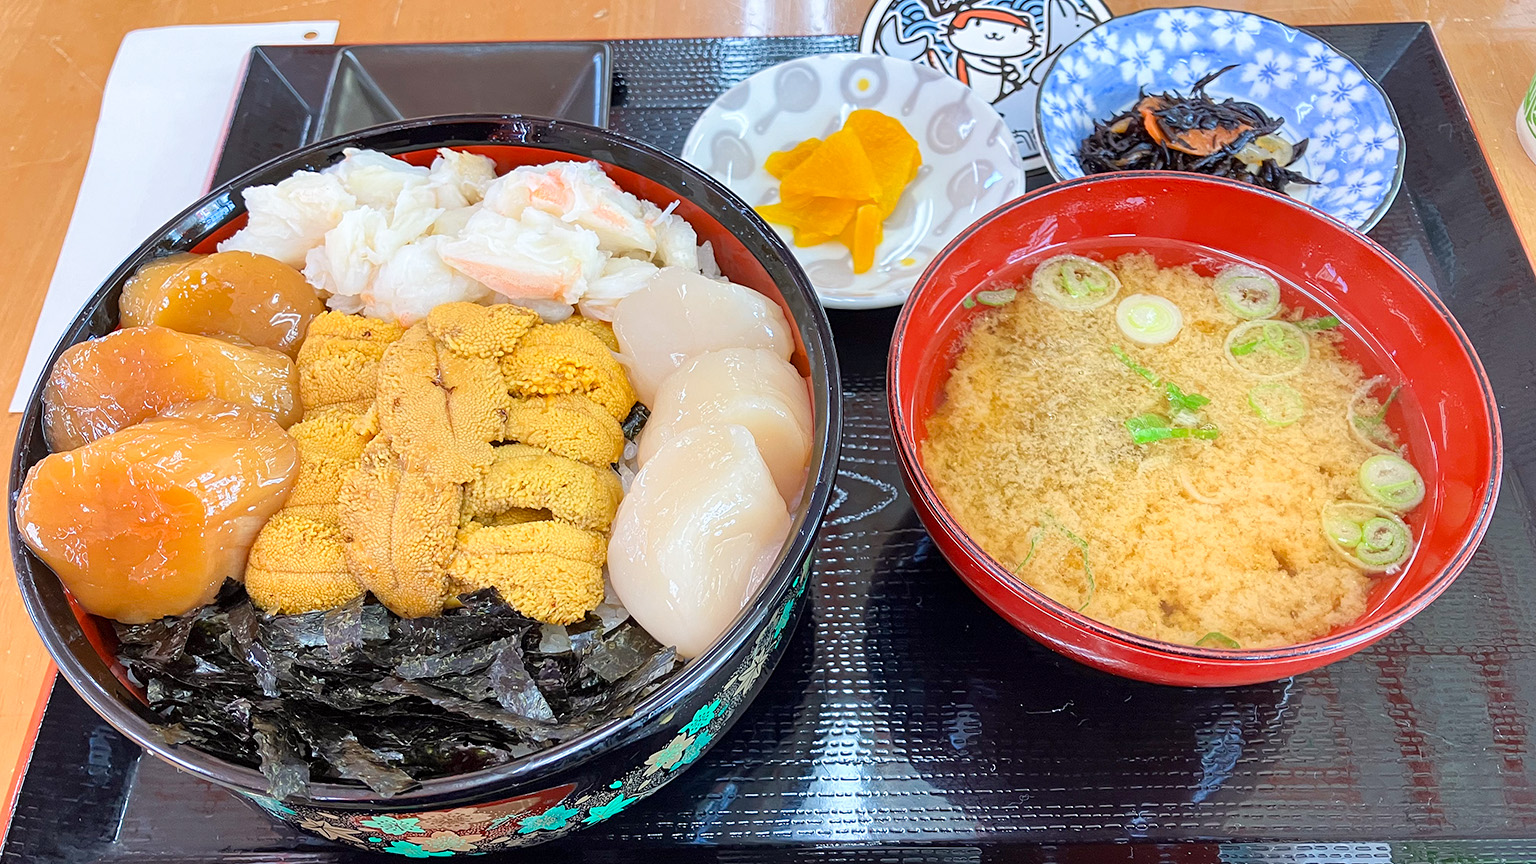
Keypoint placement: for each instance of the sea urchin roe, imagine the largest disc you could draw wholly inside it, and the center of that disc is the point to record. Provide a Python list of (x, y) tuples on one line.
[(844, 187), (150, 520), (1033, 420)]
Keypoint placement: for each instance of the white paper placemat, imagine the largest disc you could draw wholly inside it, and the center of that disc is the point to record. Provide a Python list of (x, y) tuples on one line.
[(163, 114)]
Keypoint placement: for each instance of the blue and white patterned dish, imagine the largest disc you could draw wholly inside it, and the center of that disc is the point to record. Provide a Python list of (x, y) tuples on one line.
[(1356, 149)]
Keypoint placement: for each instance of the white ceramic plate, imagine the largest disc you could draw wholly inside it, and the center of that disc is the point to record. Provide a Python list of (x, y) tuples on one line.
[(970, 162)]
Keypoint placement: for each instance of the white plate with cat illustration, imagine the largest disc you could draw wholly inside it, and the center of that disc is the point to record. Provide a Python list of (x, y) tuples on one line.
[(970, 161)]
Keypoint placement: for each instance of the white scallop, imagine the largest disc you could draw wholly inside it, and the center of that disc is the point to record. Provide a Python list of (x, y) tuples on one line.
[(680, 314), (753, 387), (695, 536)]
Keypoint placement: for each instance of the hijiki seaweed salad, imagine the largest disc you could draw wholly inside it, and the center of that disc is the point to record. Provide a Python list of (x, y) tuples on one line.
[(1196, 133), (426, 469)]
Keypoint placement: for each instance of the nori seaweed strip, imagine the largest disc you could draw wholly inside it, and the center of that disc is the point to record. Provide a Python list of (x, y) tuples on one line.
[(658, 667), (287, 774), (556, 676), (620, 654), (351, 758), (482, 617), (159, 641), (332, 698), (533, 731), (349, 627), (460, 752), (635, 421), (453, 663), (243, 630), (514, 689), (476, 687), (619, 699)]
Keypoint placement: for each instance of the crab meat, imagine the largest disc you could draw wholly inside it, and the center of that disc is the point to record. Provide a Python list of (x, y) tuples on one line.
[(581, 194), (536, 258)]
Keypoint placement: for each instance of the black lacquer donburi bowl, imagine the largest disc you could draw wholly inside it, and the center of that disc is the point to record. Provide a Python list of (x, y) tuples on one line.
[(592, 777)]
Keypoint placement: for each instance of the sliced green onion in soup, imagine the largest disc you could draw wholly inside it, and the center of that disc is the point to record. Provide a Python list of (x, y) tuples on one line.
[(1217, 640), (1342, 531), (1178, 400), (1390, 481), (1134, 366), (1367, 418), (1247, 292), (1082, 546), (1369, 537), (1049, 521), (1148, 319), (996, 297), (1074, 283), (1180, 403), (1267, 349), (1384, 542), (1148, 428), (1277, 404), (1322, 322), (1183, 418)]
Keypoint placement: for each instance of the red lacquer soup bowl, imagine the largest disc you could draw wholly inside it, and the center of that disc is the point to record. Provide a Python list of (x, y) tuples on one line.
[(1395, 326)]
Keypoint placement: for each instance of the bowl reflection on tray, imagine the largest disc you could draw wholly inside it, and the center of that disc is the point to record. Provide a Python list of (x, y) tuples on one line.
[(599, 773), (1450, 420)]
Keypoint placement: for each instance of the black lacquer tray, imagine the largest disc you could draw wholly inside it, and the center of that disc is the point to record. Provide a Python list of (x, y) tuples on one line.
[(909, 723)]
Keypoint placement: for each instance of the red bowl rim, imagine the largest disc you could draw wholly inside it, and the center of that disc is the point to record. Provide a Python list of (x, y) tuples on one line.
[(1347, 640)]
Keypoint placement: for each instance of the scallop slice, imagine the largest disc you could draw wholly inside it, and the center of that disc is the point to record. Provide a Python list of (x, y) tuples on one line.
[(696, 535), (680, 314), (752, 387)]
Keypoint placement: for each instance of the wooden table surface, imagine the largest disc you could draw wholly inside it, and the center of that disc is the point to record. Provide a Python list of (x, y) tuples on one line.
[(55, 54)]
